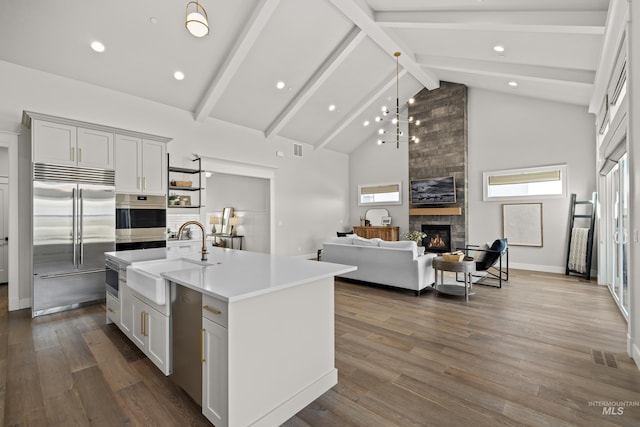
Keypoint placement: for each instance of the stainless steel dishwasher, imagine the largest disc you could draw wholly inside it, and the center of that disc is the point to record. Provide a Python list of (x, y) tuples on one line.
[(186, 314)]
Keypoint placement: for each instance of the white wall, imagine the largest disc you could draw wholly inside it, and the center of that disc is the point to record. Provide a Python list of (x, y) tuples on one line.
[(4, 161), (379, 164), (504, 132), (508, 132), (249, 197), (311, 193)]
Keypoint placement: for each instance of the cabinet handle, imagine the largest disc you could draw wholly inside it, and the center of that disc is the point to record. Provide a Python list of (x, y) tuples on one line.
[(73, 154), (110, 309), (142, 323), (146, 324), (212, 310), (202, 346), (139, 186), (80, 154), (144, 183)]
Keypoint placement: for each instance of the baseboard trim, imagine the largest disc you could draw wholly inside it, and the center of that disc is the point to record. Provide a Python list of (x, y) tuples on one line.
[(297, 402), (19, 304), (635, 351), (544, 268)]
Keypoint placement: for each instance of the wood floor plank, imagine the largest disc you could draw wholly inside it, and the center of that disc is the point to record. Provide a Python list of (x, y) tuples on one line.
[(55, 375), (65, 410), (99, 402), (520, 355), (78, 355)]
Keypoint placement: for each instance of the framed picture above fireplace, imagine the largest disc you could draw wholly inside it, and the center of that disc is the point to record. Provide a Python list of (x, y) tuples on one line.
[(429, 191)]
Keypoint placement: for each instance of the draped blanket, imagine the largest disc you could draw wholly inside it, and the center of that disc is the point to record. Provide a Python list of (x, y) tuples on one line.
[(578, 250)]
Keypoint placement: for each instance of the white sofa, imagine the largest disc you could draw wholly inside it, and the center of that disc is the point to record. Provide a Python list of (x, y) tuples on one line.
[(387, 263)]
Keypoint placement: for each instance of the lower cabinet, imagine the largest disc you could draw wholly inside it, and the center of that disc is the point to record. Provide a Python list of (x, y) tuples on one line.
[(126, 310), (150, 332), (214, 373)]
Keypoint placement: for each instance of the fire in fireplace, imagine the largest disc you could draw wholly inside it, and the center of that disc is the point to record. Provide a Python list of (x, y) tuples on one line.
[(438, 238)]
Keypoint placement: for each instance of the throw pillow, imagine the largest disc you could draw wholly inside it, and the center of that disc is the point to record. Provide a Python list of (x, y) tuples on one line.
[(357, 240), (479, 255)]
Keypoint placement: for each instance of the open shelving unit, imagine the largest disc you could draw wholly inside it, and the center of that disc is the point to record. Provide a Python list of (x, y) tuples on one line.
[(195, 190)]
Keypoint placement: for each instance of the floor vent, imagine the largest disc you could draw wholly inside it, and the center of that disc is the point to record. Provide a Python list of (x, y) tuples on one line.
[(297, 150), (603, 358)]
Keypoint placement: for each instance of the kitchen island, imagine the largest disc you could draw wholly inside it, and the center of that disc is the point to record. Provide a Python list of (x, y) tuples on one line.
[(266, 331)]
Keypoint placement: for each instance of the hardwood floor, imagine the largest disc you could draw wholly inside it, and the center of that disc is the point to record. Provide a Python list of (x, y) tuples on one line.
[(543, 350)]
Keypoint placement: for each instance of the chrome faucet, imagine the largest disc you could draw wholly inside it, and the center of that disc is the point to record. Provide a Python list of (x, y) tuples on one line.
[(204, 239)]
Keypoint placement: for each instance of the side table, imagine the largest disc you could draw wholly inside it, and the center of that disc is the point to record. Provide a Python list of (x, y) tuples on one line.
[(223, 236), (465, 267)]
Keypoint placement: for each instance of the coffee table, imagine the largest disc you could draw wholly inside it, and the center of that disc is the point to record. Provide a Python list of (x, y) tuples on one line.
[(465, 267)]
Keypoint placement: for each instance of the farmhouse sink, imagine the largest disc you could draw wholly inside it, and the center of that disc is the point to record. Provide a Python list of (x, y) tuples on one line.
[(145, 277)]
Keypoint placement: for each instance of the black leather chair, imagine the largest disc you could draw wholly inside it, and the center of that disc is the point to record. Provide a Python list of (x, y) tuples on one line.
[(494, 264)]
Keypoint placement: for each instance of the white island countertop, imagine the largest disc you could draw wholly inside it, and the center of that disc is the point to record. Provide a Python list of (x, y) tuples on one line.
[(232, 275)]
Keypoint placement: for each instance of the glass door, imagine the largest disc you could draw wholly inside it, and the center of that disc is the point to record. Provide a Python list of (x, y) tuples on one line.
[(617, 233)]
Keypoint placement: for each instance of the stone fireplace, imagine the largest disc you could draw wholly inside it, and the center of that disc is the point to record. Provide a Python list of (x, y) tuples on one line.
[(442, 152), (438, 238)]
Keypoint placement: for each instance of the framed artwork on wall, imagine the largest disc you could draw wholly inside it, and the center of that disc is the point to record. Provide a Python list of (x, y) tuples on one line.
[(522, 224)]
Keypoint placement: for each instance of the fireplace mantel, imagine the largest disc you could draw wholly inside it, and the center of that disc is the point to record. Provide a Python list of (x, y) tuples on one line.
[(435, 211)]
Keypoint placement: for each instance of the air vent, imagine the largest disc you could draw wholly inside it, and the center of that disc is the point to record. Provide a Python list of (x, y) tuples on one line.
[(604, 358), (297, 150)]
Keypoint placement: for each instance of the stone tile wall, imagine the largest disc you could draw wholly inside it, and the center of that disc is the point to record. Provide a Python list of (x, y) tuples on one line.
[(442, 151)]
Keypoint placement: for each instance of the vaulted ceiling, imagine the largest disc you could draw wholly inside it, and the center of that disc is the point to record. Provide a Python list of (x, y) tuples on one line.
[(327, 52)]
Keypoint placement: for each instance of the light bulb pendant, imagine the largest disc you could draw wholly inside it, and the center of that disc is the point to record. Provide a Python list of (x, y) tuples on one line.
[(197, 21)]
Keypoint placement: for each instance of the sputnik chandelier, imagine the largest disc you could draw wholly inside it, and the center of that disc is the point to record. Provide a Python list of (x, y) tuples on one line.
[(397, 119)]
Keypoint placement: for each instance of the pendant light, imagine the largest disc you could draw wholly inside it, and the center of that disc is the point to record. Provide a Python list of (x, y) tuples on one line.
[(197, 22)]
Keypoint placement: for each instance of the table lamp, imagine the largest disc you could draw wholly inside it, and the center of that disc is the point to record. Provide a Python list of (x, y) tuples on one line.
[(234, 221), (213, 220)]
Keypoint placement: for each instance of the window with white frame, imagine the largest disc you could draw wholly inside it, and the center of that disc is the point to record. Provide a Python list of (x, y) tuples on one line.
[(527, 183), (383, 194)]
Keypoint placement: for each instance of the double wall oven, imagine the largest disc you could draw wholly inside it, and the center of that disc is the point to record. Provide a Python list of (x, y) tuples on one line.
[(141, 222)]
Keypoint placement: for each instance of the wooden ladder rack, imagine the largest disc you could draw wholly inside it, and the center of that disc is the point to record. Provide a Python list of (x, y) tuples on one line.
[(591, 217)]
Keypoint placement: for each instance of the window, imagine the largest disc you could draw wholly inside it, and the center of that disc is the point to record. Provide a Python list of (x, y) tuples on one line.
[(382, 194), (528, 183)]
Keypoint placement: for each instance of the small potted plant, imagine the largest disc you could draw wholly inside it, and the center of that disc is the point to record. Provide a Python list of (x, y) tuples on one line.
[(416, 236), (173, 199)]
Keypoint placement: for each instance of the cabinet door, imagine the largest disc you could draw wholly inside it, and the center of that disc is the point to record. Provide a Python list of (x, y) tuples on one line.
[(126, 309), (128, 163), (139, 324), (54, 143), (154, 168), (157, 329), (214, 373), (95, 149)]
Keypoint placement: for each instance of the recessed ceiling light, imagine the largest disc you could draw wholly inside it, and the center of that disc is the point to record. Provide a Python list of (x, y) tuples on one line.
[(280, 85), (97, 46), (513, 84), (153, 20), (178, 75), (498, 48), (332, 107), (366, 123)]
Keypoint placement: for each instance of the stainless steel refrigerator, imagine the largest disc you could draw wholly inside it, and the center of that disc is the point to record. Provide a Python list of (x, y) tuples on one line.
[(73, 225)]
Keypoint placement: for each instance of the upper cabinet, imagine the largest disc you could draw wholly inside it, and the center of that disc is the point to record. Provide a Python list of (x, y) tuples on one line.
[(140, 166), (139, 159), (70, 145)]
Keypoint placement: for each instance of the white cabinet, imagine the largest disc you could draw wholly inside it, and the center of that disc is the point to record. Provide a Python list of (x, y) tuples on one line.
[(214, 373), (140, 166), (113, 310), (95, 149), (72, 146), (126, 308), (150, 332)]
